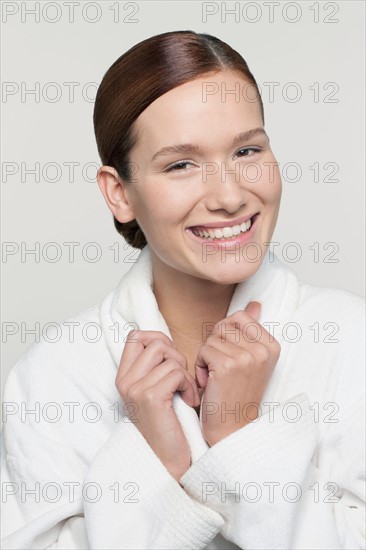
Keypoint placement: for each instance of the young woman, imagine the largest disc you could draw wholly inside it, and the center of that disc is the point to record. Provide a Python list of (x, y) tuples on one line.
[(219, 401)]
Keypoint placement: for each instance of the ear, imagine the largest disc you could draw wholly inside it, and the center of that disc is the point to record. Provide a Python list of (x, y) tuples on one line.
[(115, 193)]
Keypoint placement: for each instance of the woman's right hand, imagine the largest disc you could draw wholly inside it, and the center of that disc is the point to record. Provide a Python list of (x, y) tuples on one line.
[(151, 370)]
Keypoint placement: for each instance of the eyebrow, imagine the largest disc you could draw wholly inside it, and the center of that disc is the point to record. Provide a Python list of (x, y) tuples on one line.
[(193, 147)]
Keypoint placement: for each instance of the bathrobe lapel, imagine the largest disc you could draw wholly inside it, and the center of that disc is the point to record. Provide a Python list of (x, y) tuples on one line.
[(132, 304)]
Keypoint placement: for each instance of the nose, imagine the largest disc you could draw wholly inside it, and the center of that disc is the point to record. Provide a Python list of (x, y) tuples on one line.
[(224, 188)]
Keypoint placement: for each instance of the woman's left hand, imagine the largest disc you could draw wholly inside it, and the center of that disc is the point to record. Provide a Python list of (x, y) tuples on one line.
[(233, 368)]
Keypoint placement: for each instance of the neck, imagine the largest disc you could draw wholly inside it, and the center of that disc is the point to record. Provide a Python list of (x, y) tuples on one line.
[(189, 305)]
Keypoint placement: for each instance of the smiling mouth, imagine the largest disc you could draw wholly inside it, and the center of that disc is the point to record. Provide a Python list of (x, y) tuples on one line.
[(226, 232)]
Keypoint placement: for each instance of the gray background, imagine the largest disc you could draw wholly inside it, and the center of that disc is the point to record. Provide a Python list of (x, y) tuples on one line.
[(60, 131)]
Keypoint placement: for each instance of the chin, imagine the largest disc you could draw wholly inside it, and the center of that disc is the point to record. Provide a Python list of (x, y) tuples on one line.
[(231, 273)]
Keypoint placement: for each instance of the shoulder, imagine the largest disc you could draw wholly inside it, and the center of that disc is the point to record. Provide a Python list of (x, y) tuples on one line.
[(329, 304), (333, 306), (65, 355), (336, 300), (335, 322), (57, 399), (322, 304)]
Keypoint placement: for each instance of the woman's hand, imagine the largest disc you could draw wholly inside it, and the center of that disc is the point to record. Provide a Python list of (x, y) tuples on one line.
[(150, 372), (233, 367)]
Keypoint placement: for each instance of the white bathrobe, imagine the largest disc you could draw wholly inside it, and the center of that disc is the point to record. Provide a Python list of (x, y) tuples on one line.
[(77, 473)]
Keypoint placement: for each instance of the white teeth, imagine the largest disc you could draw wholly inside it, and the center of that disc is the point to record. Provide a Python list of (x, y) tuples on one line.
[(227, 232), (224, 232)]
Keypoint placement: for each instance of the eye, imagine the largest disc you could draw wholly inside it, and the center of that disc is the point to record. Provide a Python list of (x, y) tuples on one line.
[(248, 151), (179, 166)]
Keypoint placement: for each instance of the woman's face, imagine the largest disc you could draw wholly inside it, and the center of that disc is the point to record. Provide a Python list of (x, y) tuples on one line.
[(194, 171)]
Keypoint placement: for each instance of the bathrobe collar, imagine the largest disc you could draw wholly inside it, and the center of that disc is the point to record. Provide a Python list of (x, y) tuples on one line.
[(274, 285), (132, 304)]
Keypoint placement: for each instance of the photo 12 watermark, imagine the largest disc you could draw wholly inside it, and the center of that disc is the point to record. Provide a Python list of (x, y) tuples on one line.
[(73, 12), (271, 12)]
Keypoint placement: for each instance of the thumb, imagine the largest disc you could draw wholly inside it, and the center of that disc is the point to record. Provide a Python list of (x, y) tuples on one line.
[(254, 309)]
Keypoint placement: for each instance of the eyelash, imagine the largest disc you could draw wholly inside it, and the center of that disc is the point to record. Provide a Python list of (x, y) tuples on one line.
[(180, 162)]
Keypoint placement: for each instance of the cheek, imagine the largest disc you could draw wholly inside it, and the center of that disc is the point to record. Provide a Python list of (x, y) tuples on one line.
[(156, 209), (270, 183), (165, 203)]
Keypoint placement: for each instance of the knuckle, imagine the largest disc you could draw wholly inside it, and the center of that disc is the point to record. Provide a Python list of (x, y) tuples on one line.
[(158, 345), (161, 337), (172, 363), (228, 364), (245, 357), (149, 395), (262, 353), (172, 367), (173, 356), (176, 375), (237, 316), (120, 385), (133, 334), (249, 360), (276, 349), (132, 394)]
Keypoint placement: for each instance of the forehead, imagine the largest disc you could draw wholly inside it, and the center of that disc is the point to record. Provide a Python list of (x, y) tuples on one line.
[(224, 102)]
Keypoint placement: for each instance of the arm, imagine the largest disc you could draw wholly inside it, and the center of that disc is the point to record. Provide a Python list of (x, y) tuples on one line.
[(138, 506), (37, 453), (147, 506), (297, 484), (285, 485), (252, 477)]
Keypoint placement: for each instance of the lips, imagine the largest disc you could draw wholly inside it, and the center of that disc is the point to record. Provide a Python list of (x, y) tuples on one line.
[(228, 223), (219, 237)]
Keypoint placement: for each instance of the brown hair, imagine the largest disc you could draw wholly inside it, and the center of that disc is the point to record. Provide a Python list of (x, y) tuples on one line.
[(137, 78)]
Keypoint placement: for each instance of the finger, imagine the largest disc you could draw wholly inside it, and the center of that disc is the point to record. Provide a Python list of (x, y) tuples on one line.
[(155, 376), (240, 328), (258, 347), (231, 363), (205, 361), (136, 342), (211, 360), (254, 309), (153, 355), (230, 350), (176, 380)]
